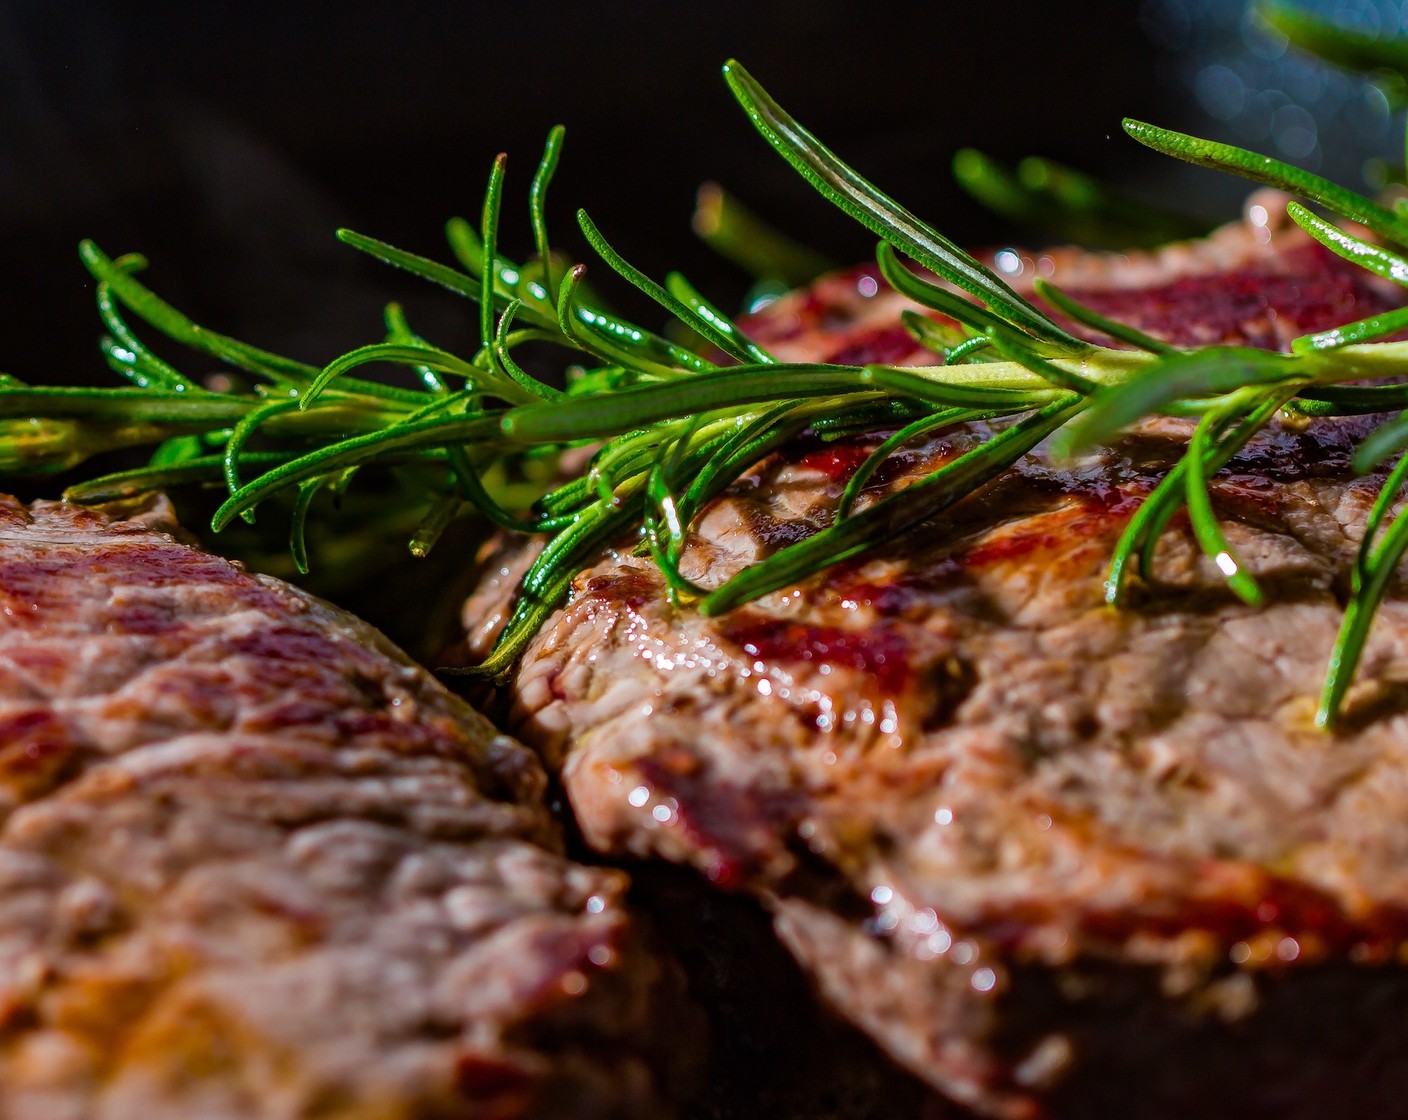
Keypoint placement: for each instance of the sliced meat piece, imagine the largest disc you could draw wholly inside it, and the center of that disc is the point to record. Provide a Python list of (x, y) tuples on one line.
[(255, 864), (1060, 860)]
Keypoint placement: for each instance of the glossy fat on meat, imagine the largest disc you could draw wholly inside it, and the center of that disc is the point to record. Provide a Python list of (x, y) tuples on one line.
[(1058, 859), (255, 864)]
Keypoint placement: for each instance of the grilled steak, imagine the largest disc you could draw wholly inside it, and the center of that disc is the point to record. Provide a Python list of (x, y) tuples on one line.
[(254, 864), (1059, 860)]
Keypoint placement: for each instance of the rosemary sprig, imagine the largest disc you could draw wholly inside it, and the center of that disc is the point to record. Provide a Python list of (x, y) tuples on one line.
[(673, 427), (1062, 203)]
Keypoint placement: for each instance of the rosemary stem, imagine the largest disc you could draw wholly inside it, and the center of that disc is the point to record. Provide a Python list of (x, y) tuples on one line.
[(1102, 365)]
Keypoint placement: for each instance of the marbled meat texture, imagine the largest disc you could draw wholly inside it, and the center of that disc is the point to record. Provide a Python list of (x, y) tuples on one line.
[(1058, 859), (254, 864)]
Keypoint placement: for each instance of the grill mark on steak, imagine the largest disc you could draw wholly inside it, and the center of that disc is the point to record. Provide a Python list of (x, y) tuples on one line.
[(1307, 288), (253, 863)]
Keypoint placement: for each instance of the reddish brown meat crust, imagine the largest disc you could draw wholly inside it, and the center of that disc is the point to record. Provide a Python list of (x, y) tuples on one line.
[(1057, 859), (254, 864)]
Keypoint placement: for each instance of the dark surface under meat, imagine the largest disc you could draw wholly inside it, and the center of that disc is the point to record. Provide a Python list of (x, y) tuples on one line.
[(775, 1050), (1057, 859), (254, 864)]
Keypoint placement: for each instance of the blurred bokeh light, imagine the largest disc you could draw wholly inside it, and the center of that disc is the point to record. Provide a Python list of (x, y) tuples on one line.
[(1258, 92)]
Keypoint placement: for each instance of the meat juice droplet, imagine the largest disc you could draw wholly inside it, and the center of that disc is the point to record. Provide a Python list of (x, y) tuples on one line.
[(878, 652)]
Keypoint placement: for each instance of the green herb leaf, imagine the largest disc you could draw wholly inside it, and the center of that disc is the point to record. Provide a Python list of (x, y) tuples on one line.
[(1343, 46), (881, 214), (1064, 204), (1273, 173), (735, 233)]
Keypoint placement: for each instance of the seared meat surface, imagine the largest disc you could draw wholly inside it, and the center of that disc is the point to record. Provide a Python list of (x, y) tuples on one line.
[(1057, 859), (254, 864)]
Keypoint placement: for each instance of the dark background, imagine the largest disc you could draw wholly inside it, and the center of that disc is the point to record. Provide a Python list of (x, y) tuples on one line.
[(228, 141)]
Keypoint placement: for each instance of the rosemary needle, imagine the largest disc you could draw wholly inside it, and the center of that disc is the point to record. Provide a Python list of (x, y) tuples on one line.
[(672, 426)]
